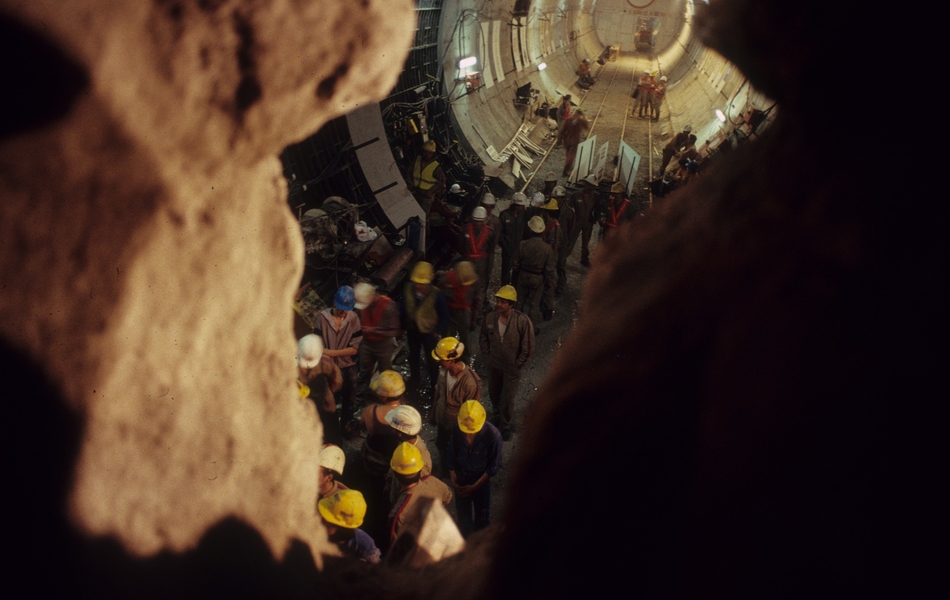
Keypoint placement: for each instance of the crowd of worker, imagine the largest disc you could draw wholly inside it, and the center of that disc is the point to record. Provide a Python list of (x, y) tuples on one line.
[(445, 317)]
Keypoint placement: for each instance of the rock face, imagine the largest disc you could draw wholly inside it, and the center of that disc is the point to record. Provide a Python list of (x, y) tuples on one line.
[(149, 258)]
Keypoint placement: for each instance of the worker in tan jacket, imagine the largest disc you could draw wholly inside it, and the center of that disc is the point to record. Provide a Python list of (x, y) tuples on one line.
[(507, 342), (456, 383)]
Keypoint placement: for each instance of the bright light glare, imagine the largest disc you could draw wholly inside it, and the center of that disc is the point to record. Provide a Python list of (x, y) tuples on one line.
[(720, 116), (467, 62), (542, 66)]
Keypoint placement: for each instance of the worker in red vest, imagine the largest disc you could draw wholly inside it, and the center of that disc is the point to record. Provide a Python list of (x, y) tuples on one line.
[(379, 317), (618, 210), (457, 284), (476, 243)]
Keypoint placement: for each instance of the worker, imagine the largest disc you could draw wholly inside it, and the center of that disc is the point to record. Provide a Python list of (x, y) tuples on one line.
[(584, 79), (379, 320), (407, 422), (476, 243), (572, 133), (617, 211), (474, 458), (381, 440), (644, 93), (553, 236), (568, 221), (331, 463), (534, 271), (513, 223), (656, 99), (688, 150), (507, 342), (424, 315), (342, 335), (322, 378), (679, 140), (565, 108), (410, 487), (491, 219), (538, 199), (457, 382), (342, 515), (583, 202), (457, 284), (427, 178)]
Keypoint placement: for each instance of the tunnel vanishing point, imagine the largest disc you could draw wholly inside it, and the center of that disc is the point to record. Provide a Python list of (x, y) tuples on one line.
[(745, 407)]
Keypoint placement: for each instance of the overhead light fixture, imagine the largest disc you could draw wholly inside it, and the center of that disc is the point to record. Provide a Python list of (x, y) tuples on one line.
[(720, 116), (467, 62), (542, 66)]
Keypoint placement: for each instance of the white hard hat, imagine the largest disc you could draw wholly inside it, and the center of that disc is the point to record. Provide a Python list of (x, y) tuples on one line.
[(488, 199), (309, 350), (479, 213), (663, 78), (332, 458), (558, 191), (364, 292), (519, 199), (456, 188), (688, 128), (536, 224), (405, 418), (537, 200)]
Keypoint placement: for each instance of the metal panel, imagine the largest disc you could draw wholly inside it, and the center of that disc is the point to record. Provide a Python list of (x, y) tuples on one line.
[(379, 166), (483, 54), (496, 50)]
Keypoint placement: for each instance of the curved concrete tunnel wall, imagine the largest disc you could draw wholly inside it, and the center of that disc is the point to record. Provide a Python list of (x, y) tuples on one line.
[(561, 34)]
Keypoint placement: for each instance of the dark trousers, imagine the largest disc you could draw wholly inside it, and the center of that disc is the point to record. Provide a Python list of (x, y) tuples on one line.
[(473, 511), (503, 389), (347, 394), (421, 342)]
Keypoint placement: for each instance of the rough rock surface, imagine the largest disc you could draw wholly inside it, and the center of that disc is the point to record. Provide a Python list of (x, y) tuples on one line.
[(148, 255)]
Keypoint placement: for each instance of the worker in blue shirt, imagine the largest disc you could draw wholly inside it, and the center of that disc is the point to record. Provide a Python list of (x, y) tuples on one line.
[(473, 459)]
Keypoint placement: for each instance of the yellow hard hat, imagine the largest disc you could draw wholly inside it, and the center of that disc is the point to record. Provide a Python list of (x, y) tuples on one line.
[(388, 384), (422, 272), (466, 272), (345, 508), (303, 390), (472, 416), (550, 205), (406, 460), (429, 146), (507, 292), (448, 348)]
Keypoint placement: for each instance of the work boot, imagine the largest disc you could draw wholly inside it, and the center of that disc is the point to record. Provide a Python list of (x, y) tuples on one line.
[(506, 435), (547, 315)]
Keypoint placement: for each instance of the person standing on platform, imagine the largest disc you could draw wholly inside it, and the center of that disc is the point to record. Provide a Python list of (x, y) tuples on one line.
[(424, 315), (583, 202), (427, 177), (476, 243), (491, 219), (409, 486), (322, 378), (659, 93), (513, 223), (379, 319), (457, 383), (645, 93), (507, 342), (534, 271), (572, 133), (457, 284), (342, 335), (553, 236), (568, 221), (474, 457)]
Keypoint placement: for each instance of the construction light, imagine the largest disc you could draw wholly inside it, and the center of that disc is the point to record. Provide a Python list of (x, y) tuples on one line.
[(542, 66), (467, 62), (720, 116)]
